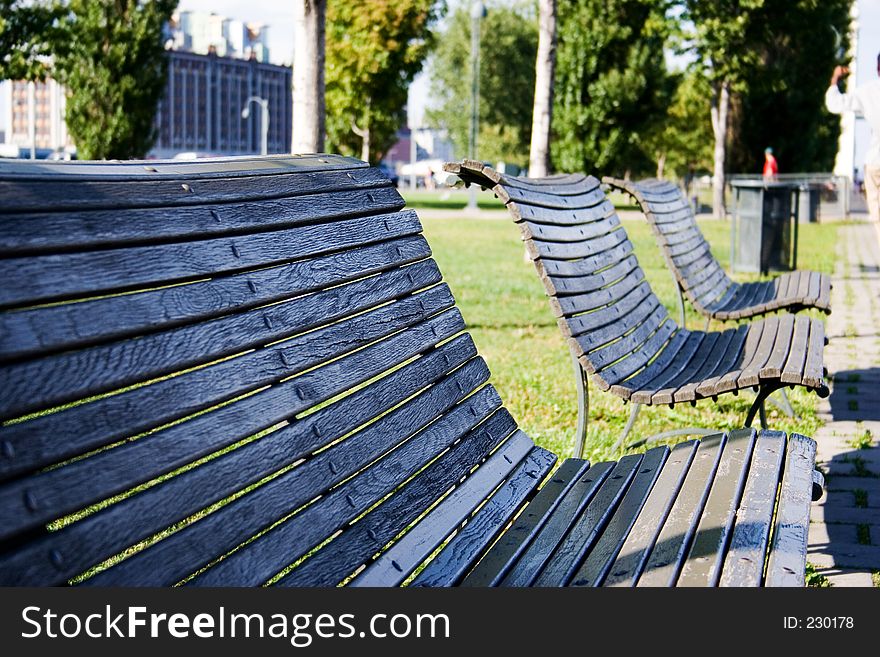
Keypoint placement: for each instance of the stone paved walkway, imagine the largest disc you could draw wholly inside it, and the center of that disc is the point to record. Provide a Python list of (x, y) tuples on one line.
[(845, 530)]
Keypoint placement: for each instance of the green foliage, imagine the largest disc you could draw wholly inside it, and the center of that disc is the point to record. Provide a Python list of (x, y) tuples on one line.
[(719, 38), (373, 51), (815, 579), (611, 84), (26, 36), (684, 138), (508, 49), (782, 97), (112, 61)]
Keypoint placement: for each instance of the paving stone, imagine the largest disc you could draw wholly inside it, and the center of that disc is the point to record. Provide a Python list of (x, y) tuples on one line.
[(841, 578)]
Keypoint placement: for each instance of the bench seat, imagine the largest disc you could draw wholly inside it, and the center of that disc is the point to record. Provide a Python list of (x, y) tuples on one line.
[(249, 371), (616, 326), (699, 275)]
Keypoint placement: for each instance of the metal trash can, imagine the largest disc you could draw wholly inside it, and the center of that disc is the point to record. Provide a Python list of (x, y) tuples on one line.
[(809, 198), (764, 228)]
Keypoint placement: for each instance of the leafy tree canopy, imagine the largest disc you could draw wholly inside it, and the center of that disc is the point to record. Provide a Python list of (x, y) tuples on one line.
[(113, 63), (508, 48), (27, 33), (611, 84), (373, 51)]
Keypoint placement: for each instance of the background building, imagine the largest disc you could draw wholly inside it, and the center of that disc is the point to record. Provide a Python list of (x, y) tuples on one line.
[(42, 103), (204, 97), (202, 32)]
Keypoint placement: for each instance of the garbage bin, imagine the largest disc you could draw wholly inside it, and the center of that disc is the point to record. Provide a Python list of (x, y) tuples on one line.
[(764, 228), (809, 199)]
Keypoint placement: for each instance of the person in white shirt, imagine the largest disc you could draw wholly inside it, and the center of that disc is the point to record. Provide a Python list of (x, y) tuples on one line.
[(865, 102)]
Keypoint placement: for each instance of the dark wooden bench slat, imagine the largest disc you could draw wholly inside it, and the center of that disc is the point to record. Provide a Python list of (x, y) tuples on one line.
[(648, 322), (187, 551), (563, 234), (533, 558), (557, 217), (81, 230), (80, 545), (584, 198), (773, 367), (496, 563), (579, 324), (400, 560), (54, 328), (56, 492), (635, 361), (785, 565), (584, 533), (609, 251), (729, 344), (453, 562), (671, 545), (813, 367), (594, 341), (598, 563), (60, 378), (706, 554), (637, 546), (64, 193), (361, 540), (668, 364), (587, 301), (794, 364), (566, 285), (69, 275), (49, 438), (744, 563)]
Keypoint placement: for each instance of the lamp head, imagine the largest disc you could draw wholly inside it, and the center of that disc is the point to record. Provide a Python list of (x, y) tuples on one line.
[(246, 112)]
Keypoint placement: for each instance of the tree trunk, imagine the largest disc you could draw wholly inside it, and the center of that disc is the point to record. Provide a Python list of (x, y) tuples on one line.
[(364, 133), (661, 165), (542, 114), (720, 107), (308, 76)]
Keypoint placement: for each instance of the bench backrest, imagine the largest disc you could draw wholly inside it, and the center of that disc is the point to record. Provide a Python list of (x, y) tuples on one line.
[(699, 274), (209, 370), (604, 304)]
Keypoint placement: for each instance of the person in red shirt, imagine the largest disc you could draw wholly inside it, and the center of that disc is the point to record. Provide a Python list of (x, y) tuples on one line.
[(771, 168)]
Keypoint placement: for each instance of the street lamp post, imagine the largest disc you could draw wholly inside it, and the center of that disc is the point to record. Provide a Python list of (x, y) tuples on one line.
[(478, 11), (264, 123)]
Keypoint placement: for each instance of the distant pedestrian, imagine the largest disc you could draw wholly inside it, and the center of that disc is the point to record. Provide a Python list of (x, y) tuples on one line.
[(865, 102), (771, 167)]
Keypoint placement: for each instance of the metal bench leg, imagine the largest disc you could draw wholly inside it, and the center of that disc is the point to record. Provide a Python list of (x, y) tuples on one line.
[(633, 414), (681, 320), (758, 405), (583, 397)]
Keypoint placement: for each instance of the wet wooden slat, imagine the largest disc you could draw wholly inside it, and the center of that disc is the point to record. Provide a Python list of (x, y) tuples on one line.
[(495, 565), (785, 566), (744, 563)]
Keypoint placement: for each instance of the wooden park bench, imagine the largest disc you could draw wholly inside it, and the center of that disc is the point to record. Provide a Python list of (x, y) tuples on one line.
[(619, 332), (698, 274), (249, 371)]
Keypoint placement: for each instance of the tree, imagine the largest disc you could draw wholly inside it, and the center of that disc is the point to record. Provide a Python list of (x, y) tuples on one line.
[(781, 102), (374, 50), (611, 84), (308, 76), (682, 143), (542, 111), (508, 50), (721, 43), (27, 34), (112, 62)]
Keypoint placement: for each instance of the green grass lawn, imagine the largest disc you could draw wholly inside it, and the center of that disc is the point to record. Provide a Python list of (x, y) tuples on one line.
[(504, 304)]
